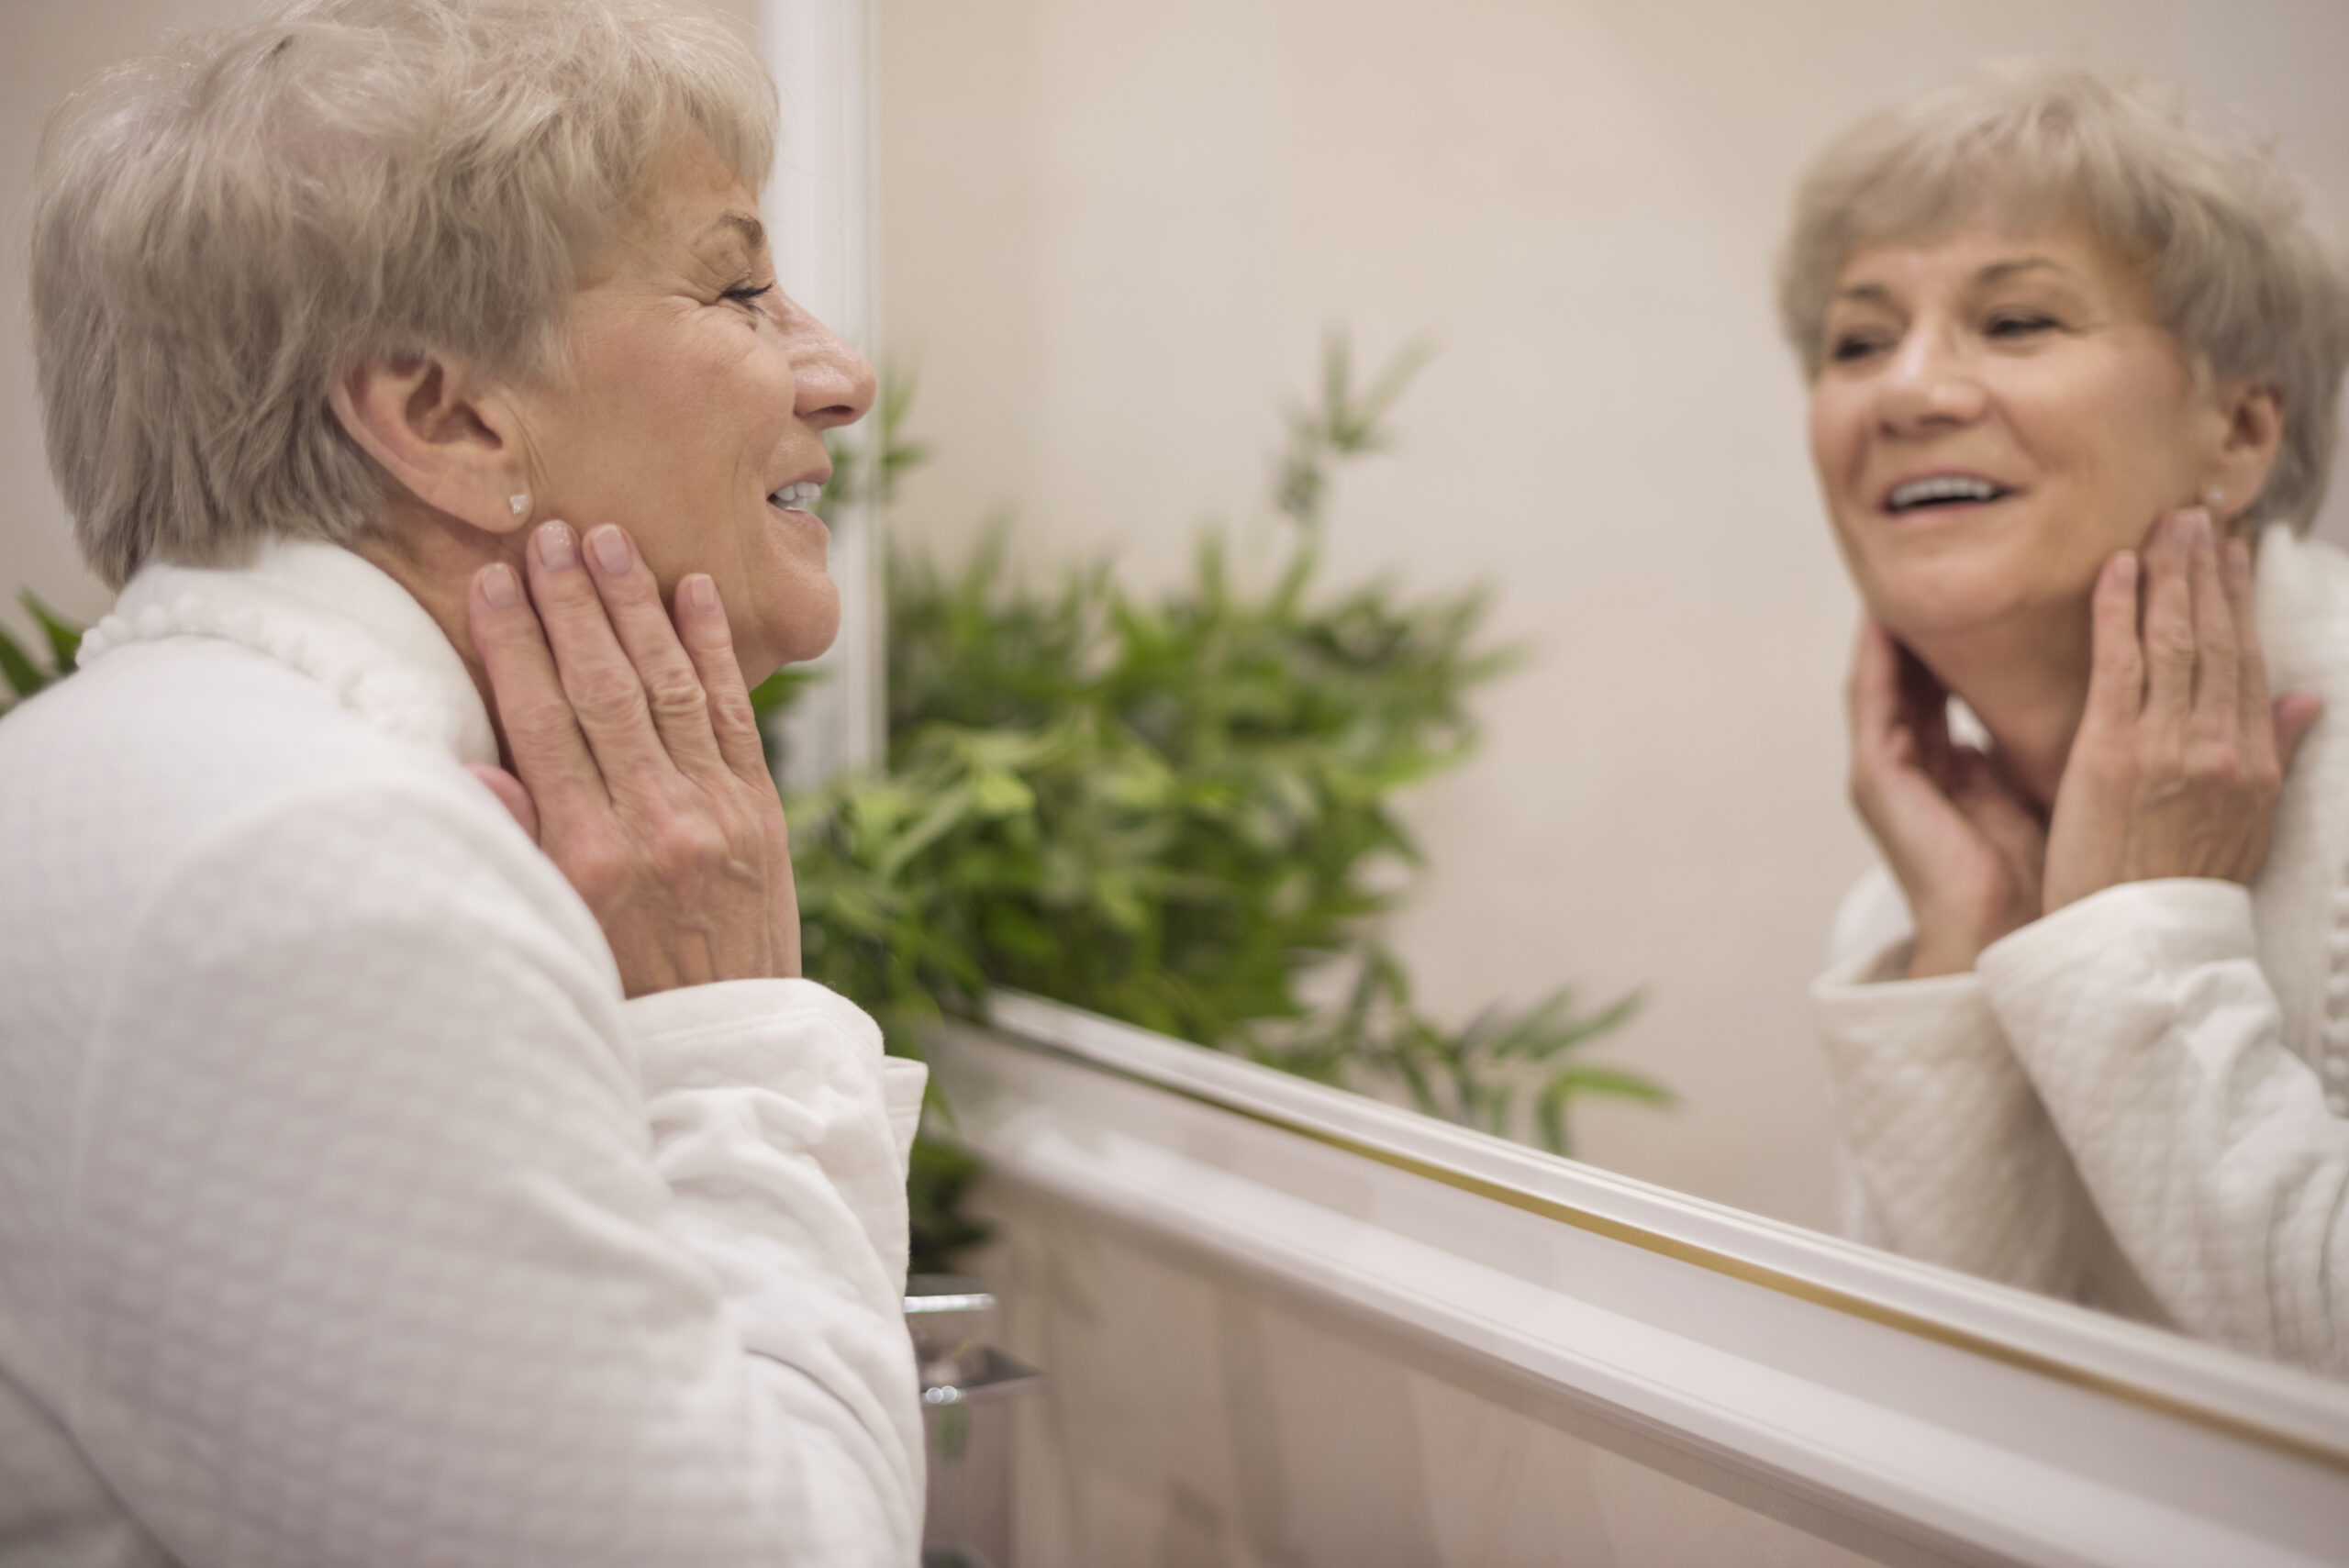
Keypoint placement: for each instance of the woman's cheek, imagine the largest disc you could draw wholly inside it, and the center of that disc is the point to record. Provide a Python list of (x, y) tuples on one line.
[(1836, 411)]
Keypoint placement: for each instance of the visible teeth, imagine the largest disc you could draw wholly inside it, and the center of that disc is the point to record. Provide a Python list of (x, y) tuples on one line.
[(799, 497), (1945, 487)]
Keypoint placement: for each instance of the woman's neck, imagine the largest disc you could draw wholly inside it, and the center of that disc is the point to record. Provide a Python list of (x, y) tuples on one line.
[(434, 558), (2026, 679)]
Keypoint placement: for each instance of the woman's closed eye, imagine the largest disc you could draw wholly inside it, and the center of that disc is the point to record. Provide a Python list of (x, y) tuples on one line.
[(1846, 347), (2015, 326), (748, 296)]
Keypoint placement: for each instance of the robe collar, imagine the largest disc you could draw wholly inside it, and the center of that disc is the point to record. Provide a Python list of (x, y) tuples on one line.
[(323, 611)]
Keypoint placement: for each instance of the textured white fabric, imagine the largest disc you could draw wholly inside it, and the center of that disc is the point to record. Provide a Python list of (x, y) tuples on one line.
[(347, 1213), (2139, 1101)]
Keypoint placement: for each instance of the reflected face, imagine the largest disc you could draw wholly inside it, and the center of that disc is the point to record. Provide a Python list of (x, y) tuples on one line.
[(1996, 414), (694, 407)]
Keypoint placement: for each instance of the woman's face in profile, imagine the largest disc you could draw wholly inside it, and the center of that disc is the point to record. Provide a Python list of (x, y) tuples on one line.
[(696, 396), (1996, 414)]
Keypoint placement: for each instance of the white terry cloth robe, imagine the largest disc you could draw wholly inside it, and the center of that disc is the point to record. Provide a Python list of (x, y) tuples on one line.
[(347, 1213), (2140, 1101)]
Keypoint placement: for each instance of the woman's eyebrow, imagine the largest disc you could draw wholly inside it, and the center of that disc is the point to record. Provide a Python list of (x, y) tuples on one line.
[(1998, 272), (752, 233)]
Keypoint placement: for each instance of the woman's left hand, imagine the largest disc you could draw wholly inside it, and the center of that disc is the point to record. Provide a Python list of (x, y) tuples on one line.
[(636, 764), (2181, 755)]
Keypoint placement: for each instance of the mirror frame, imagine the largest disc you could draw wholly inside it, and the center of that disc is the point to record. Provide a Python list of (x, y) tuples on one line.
[(1866, 1394)]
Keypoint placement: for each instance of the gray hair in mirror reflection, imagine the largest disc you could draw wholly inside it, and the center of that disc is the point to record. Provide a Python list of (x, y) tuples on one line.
[(221, 229), (2239, 276)]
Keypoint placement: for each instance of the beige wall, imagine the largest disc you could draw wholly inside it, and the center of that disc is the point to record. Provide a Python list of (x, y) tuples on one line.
[(1113, 230)]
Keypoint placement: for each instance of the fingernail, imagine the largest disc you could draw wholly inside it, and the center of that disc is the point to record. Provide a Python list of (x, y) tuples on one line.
[(498, 589), (2124, 568), (557, 547), (2197, 524), (701, 592), (611, 548)]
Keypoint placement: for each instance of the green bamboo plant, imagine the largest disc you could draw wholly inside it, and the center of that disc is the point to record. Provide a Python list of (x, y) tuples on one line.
[(1178, 810)]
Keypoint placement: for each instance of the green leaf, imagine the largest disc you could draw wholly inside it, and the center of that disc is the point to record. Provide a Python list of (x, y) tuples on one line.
[(1550, 1118), (64, 637), (1613, 1082), (24, 677), (783, 688), (998, 793), (940, 816)]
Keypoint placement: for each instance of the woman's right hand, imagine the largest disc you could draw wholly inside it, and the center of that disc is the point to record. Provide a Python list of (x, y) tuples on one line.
[(1967, 849), (635, 759)]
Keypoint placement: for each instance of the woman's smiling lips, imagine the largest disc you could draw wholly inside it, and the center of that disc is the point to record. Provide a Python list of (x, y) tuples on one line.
[(1942, 490)]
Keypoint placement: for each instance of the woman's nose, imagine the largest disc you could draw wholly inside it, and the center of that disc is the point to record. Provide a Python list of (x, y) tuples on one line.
[(1929, 382), (832, 385)]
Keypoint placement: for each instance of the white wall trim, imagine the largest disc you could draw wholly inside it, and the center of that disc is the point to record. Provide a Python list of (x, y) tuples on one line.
[(822, 208)]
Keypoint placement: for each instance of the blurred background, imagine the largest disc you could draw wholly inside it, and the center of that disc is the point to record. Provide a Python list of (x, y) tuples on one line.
[(1112, 235)]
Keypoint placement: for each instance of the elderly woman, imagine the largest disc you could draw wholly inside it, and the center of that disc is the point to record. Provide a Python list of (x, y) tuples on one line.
[(380, 1180), (2073, 370)]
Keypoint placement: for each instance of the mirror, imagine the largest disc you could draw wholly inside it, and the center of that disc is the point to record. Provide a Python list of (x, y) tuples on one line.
[(1114, 238)]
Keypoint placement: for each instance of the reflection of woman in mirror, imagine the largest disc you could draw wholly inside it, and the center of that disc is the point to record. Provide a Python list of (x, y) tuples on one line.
[(2074, 368)]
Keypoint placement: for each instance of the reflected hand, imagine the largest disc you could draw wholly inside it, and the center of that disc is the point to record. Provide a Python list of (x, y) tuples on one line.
[(2181, 755), (636, 761), (1963, 843)]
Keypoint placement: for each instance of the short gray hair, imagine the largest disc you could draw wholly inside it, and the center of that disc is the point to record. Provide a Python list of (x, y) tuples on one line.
[(2240, 277), (222, 230)]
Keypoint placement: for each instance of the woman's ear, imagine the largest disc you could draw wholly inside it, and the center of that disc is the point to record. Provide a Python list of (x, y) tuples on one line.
[(446, 437), (2250, 437)]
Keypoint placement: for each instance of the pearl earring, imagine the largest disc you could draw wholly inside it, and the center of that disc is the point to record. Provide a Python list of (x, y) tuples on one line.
[(518, 504), (2214, 496)]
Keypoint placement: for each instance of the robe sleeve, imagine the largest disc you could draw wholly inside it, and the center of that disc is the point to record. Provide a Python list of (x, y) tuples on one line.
[(1950, 1157), (2155, 1041)]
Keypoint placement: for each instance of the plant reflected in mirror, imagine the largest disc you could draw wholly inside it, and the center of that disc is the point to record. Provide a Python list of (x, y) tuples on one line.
[(1178, 810)]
